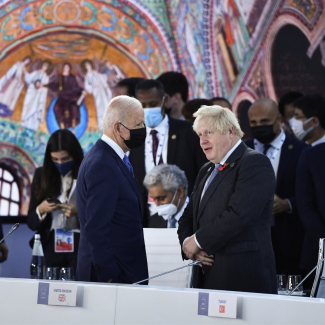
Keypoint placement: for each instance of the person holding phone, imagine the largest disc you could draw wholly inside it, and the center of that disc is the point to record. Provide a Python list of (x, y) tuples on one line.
[(52, 209)]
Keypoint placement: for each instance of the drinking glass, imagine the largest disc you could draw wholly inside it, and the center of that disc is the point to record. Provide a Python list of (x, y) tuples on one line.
[(293, 281), (67, 274), (52, 273), (282, 283)]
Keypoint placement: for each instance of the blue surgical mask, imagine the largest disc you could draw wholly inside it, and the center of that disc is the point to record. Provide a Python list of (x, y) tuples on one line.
[(153, 115), (64, 168)]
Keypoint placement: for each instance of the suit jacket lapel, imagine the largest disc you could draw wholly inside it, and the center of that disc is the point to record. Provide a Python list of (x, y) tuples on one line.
[(286, 152), (172, 142), (219, 177)]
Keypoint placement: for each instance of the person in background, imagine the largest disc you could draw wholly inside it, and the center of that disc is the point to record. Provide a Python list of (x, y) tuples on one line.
[(192, 106), (221, 101), (3, 246), (50, 210), (127, 86), (284, 152), (167, 186), (168, 141), (310, 193), (176, 93), (287, 109), (308, 123), (228, 219), (112, 246)]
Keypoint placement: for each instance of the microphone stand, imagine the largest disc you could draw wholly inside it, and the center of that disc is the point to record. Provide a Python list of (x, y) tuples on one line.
[(303, 280), (161, 274), (13, 228)]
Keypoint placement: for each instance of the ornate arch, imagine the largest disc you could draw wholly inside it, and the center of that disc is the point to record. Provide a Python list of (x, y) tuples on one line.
[(127, 24), (240, 97)]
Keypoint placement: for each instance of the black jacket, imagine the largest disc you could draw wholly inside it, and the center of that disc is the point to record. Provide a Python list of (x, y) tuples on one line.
[(310, 192), (184, 151), (288, 227), (157, 221), (233, 222)]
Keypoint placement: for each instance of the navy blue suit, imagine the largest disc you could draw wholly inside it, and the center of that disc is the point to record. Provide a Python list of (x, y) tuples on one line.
[(310, 193), (287, 233), (109, 208)]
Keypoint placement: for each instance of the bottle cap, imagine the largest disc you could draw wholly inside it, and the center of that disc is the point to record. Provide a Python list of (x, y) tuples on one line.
[(37, 236)]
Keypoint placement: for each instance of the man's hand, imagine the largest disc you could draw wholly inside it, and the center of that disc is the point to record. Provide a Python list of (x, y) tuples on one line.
[(280, 205), (190, 248), (68, 209), (204, 257), (4, 252)]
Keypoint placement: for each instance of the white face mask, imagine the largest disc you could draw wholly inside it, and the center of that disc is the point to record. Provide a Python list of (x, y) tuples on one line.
[(298, 127), (168, 210)]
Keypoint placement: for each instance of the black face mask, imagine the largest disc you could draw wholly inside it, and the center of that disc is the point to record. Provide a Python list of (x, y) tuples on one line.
[(263, 133), (137, 137)]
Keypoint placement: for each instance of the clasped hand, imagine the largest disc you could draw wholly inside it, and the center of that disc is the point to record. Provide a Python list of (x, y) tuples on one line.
[(194, 253)]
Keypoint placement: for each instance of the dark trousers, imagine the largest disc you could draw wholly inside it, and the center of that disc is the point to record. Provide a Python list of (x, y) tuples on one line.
[(53, 259)]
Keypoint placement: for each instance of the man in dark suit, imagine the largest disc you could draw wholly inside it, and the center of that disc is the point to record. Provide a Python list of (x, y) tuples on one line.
[(111, 247), (284, 152), (168, 141), (227, 221), (167, 185)]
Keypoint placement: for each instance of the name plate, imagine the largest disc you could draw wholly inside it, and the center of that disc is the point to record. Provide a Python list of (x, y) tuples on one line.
[(217, 305), (57, 294)]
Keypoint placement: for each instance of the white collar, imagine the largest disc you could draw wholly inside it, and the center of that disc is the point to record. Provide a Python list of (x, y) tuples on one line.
[(276, 143), (114, 146), (180, 213), (230, 152), (319, 141), (161, 127)]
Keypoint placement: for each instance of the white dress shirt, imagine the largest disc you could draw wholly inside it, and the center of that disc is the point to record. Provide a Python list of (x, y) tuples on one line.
[(163, 129), (275, 144), (114, 146), (180, 213), (319, 141)]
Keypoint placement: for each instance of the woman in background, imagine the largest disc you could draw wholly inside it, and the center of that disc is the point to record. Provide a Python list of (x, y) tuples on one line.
[(52, 210)]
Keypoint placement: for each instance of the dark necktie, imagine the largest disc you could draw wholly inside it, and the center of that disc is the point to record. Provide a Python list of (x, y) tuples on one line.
[(266, 148), (128, 164), (155, 144)]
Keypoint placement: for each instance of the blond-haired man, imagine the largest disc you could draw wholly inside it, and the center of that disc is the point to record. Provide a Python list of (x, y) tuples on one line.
[(228, 219), (111, 247)]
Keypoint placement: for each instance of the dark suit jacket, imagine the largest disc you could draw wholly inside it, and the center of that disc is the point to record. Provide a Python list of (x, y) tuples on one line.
[(33, 222), (310, 193), (288, 227), (157, 221), (184, 151), (233, 222), (110, 213)]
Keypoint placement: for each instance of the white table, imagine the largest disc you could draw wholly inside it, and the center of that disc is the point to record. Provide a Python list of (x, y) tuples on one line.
[(126, 304)]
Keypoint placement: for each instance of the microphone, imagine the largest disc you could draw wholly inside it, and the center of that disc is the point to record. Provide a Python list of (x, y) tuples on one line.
[(13, 228), (161, 274)]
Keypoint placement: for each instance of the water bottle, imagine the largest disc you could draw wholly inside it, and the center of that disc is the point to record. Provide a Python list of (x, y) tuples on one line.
[(37, 265)]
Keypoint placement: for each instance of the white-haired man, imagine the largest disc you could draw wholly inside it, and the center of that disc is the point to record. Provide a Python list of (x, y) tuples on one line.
[(227, 223), (167, 185), (111, 247)]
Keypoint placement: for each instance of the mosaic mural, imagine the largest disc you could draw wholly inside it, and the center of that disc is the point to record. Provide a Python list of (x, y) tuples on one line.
[(57, 49)]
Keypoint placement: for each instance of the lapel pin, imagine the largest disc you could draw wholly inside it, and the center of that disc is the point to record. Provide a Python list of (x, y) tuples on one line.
[(232, 165), (290, 146), (174, 136)]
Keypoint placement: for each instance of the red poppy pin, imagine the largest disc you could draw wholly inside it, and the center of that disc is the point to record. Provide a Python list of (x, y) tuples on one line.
[(222, 167)]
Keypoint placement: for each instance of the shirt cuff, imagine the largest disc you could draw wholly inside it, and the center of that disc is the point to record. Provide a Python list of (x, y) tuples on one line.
[(290, 210), (40, 217), (196, 242)]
